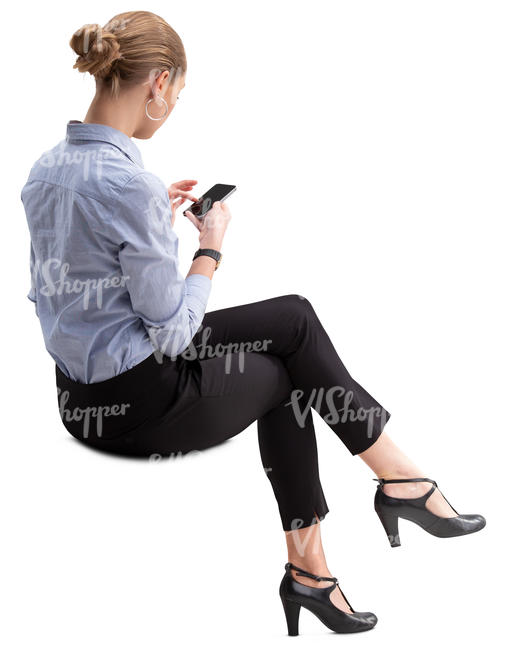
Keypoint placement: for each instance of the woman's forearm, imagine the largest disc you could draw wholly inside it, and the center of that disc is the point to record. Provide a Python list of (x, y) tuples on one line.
[(203, 265)]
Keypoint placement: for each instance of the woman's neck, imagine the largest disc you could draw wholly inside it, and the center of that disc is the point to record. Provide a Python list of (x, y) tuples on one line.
[(120, 113)]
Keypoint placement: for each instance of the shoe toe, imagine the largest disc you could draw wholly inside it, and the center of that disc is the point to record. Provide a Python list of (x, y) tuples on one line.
[(367, 619), (476, 522)]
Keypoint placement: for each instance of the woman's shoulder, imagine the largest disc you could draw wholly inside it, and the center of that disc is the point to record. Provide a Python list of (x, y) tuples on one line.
[(145, 183), (95, 170)]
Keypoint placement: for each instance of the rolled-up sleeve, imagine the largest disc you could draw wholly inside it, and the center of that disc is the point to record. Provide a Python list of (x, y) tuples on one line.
[(171, 307)]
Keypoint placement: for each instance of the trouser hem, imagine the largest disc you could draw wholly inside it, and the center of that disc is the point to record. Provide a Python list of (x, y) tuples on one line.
[(295, 519), (365, 442)]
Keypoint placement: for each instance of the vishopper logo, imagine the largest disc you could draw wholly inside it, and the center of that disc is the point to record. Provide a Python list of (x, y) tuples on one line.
[(302, 541), (177, 455), (89, 413), (335, 414), (81, 156), (116, 25), (96, 37), (58, 286), (159, 214), (203, 350)]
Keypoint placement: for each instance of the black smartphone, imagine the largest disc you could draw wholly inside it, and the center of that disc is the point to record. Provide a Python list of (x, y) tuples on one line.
[(218, 192)]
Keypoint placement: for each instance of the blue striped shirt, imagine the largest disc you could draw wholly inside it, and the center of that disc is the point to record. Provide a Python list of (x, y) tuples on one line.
[(104, 257)]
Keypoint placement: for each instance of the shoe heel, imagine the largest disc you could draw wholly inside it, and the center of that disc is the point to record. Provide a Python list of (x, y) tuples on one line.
[(292, 615), (390, 523)]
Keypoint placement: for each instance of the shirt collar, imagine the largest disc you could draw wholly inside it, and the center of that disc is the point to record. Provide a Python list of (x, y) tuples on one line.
[(79, 132)]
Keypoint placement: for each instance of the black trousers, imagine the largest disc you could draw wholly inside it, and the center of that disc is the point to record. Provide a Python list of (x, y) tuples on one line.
[(269, 361)]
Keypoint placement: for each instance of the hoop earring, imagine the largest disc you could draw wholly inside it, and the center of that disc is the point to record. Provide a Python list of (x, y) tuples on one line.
[(156, 119)]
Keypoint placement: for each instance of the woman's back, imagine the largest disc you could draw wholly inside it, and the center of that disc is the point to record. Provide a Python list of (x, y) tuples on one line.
[(104, 264)]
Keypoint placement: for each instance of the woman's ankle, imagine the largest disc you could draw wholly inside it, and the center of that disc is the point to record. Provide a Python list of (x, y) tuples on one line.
[(406, 490), (313, 565), (386, 460), (399, 472), (412, 489)]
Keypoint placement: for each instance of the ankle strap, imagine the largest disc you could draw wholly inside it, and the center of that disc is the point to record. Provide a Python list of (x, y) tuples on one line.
[(307, 574), (383, 481)]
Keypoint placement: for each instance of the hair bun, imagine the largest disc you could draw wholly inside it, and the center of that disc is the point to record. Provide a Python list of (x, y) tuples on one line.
[(97, 50)]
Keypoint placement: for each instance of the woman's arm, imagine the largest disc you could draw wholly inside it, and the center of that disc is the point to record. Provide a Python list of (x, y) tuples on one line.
[(212, 229), (170, 306), (204, 266)]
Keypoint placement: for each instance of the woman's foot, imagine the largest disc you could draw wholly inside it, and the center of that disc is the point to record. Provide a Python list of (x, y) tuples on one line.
[(318, 600), (304, 547), (336, 596), (387, 461), (436, 502)]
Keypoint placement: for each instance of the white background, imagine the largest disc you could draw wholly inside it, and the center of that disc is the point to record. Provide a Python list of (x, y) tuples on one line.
[(371, 145)]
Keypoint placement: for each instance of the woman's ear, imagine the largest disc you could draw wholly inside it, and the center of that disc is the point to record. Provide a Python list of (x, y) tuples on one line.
[(159, 82), (162, 82)]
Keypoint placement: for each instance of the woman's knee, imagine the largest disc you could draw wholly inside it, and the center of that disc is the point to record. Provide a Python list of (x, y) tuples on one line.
[(295, 301), (296, 305)]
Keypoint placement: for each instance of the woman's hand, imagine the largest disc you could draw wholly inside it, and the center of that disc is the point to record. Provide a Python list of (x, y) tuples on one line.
[(179, 192), (213, 225)]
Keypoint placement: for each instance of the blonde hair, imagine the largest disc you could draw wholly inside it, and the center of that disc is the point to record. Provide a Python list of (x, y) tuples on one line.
[(132, 46)]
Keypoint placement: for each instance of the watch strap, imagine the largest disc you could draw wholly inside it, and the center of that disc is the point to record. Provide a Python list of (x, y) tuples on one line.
[(209, 252)]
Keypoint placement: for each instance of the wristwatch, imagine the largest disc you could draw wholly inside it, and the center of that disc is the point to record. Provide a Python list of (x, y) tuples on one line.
[(209, 252)]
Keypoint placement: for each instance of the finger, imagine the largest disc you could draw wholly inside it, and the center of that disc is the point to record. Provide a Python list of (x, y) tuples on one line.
[(173, 194), (179, 202), (185, 185), (187, 195), (225, 210), (175, 207), (193, 219)]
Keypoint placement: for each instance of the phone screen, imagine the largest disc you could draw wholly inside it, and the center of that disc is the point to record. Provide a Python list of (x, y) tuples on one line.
[(217, 193)]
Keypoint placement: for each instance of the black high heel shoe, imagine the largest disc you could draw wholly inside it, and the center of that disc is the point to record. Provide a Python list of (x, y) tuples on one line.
[(389, 509), (295, 595)]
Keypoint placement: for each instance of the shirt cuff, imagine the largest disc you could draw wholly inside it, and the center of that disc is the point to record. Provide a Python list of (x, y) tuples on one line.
[(199, 286)]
